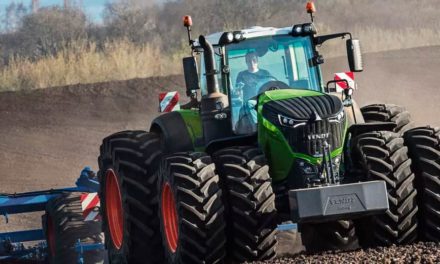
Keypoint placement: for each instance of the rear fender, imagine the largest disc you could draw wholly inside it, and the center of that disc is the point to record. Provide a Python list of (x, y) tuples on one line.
[(173, 132), (218, 144)]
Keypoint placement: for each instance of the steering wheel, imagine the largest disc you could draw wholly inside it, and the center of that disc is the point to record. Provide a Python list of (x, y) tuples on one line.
[(272, 85)]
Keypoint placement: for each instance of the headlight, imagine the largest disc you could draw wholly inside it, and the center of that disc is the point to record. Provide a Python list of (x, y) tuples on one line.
[(309, 28), (338, 118), (297, 30), (290, 122), (230, 37), (304, 30), (238, 36)]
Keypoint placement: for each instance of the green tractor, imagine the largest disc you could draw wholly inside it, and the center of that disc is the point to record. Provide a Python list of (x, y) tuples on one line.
[(266, 145)]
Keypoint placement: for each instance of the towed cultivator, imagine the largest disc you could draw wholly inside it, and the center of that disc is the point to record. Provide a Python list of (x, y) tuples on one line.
[(71, 225)]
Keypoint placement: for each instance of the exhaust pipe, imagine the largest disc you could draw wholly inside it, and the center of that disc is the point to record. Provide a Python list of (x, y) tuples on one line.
[(215, 118), (208, 53)]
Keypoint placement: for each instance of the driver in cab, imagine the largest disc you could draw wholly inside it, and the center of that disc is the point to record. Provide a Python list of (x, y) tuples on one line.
[(247, 80), (246, 85)]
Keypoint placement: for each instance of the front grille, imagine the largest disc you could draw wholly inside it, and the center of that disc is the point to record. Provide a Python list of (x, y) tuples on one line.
[(301, 139), (312, 117)]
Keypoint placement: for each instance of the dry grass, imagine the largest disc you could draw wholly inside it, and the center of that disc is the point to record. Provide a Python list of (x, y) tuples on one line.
[(85, 64)]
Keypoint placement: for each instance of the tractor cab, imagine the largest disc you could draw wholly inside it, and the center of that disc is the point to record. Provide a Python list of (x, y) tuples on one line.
[(237, 67), (256, 60)]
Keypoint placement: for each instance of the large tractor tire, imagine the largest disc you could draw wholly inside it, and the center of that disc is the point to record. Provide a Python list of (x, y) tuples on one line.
[(128, 193), (64, 226), (424, 149), (335, 235), (383, 156), (251, 213), (191, 210), (388, 113)]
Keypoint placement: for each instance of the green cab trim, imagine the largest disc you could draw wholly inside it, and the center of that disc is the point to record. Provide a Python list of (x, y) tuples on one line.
[(193, 123)]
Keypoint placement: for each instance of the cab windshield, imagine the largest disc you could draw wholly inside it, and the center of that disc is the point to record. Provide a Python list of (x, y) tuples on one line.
[(257, 64), (285, 58)]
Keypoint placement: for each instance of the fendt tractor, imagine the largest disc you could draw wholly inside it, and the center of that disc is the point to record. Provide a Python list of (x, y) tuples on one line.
[(263, 142)]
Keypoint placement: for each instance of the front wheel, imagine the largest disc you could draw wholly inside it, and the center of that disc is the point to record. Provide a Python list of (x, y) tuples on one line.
[(191, 209), (424, 149), (383, 156), (335, 235), (388, 113), (251, 214)]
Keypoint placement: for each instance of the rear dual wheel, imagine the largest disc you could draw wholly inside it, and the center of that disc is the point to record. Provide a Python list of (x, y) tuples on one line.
[(191, 209), (129, 204)]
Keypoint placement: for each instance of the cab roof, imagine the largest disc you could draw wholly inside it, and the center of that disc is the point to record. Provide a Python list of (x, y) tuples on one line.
[(252, 32)]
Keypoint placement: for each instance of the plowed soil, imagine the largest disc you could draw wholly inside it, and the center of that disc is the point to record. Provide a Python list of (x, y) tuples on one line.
[(47, 136)]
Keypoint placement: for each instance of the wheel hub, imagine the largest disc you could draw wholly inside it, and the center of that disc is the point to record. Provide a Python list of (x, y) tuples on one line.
[(169, 217), (113, 204)]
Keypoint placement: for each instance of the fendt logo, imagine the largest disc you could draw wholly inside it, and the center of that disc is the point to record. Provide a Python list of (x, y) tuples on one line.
[(341, 200), (318, 136), (337, 204)]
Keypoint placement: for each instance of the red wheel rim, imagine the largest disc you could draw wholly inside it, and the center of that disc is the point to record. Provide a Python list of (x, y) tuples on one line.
[(50, 235), (113, 205), (169, 216)]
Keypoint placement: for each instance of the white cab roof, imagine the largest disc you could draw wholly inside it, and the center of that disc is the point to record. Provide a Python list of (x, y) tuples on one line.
[(253, 32)]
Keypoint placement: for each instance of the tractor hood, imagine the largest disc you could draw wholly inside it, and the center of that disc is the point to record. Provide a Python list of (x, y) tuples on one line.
[(300, 124), (300, 105), (275, 95)]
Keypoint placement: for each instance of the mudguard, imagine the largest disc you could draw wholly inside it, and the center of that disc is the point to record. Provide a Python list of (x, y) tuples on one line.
[(246, 140), (358, 129), (174, 133)]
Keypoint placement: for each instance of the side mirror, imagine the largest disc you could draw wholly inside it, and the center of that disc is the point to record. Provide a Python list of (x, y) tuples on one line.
[(191, 75), (354, 55)]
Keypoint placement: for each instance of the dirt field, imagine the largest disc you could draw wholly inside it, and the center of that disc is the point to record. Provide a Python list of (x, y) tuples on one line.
[(47, 136)]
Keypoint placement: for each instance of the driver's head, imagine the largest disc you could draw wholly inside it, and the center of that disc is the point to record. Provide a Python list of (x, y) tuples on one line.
[(252, 61)]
